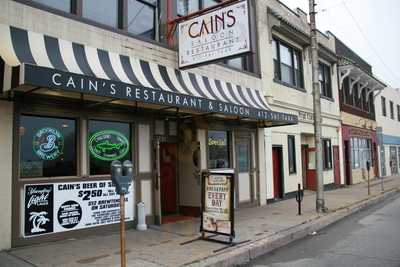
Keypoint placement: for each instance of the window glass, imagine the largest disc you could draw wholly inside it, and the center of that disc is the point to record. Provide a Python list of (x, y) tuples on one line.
[(383, 101), (63, 5), (235, 62), (391, 110), (108, 141), (47, 147), (102, 11), (297, 69), (398, 112), (187, 6), (243, 155), (327, 153), (286, 64), (208, 3), (218, 149), (292, 154), (141, 18)]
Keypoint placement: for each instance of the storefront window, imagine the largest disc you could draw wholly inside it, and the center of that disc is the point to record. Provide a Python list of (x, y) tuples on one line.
[(218, 149), (47, 147), (102, 11), (63, 5), (107, 141), (361, 152)]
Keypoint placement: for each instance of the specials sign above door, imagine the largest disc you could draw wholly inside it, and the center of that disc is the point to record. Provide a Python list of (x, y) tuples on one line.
[(216, 35)]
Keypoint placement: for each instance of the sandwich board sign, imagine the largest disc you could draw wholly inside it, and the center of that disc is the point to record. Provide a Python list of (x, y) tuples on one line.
[(219, 34), (217, 213)]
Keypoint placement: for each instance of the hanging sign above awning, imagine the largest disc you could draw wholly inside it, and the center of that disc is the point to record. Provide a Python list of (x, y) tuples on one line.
[(219, 34), (54, 63)]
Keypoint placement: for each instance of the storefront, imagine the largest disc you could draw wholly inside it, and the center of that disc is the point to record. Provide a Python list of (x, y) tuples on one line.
[(360, 147), (76, 108)]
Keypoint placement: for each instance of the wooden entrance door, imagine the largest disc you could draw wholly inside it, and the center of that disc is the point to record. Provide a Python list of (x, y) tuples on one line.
[(168, 181), (277, 171), (243, 162), (336, 165)]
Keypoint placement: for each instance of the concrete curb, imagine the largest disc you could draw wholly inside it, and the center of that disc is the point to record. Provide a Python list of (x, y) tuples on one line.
[(245, 253)]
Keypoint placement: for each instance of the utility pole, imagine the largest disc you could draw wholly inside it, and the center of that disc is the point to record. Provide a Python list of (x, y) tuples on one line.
[(320, 201)]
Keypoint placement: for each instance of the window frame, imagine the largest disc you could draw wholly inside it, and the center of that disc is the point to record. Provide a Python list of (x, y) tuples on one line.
[(292, 49), (327, 161), (292, 154), (391, 109), (77, 142), (76, 14), (132, 140), (383, 105), (326, 86)]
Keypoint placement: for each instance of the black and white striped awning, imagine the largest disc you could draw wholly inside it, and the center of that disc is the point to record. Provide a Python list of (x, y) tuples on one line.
[(42, 55)]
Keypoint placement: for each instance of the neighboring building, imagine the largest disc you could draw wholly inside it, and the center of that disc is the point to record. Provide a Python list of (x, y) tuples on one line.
[(81, 87), (387, 105), (357, 90), (284, 42)]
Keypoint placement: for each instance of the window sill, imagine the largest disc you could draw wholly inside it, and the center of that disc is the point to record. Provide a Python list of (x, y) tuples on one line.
[(327, 98), (256, 75), (289, 85)]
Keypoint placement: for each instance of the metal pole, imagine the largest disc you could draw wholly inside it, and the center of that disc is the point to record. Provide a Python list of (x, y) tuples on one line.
[(320, 201), (122, 229), (369, 189)]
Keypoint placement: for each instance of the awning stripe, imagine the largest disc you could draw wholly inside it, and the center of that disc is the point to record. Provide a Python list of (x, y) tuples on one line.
[(21, 45), (126, 65), (166, 78), (69, 57), (39, 50), (81, 59), (208, 87), (106, 65), (53, 51)]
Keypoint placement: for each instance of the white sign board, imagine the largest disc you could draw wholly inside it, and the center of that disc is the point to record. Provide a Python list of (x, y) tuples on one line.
[(60, 207), (219, 34)]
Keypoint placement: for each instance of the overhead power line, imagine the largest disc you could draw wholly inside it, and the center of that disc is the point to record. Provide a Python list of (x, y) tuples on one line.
[(369, 43)]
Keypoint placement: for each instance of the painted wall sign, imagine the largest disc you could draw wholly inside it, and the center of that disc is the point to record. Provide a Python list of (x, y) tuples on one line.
[(217, 205), (108, 145), (306, 116), (50, 78), (48, 143), (222, 33), (60, 207)]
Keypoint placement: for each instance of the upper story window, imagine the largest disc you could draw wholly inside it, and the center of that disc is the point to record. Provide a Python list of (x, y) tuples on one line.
[(391, 110), (288, 67), (142, 17), (63, 5), (325, 80), (398, 112), (101, 11), (383, 101)]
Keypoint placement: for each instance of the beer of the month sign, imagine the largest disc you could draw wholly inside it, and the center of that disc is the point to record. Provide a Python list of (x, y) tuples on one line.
[(219, 34), (217, 210), (60, 207)]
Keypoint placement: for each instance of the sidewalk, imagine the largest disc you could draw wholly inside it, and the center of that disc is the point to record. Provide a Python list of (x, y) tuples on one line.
[(265, 227)]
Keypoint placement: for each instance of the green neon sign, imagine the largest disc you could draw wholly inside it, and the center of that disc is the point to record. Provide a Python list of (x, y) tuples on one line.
[(48, 143), (108, 145)]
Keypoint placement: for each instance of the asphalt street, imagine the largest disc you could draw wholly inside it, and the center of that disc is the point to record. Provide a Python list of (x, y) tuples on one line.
[(368, 238)]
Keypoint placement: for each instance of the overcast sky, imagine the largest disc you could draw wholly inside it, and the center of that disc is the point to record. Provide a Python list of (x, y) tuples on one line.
[(379, 20)]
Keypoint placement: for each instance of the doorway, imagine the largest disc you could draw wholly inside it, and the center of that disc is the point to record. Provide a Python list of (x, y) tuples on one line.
[(277, 170), (168, 178), (304, 164), (245, 178), (347, 166), (336, 165)]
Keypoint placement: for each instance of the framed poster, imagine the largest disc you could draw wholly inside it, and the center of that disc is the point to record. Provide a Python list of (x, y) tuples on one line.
[(60, 207), (217, 214), (219, 34)]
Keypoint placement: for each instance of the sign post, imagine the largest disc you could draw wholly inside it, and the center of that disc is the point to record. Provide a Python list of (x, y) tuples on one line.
[(368, 168), (217, 209), (122, 176)]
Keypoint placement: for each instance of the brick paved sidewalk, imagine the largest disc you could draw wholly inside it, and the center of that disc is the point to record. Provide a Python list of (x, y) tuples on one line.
[(161, 246)]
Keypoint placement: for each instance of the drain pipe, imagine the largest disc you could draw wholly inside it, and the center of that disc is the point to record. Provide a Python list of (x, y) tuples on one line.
[(141, 226)]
